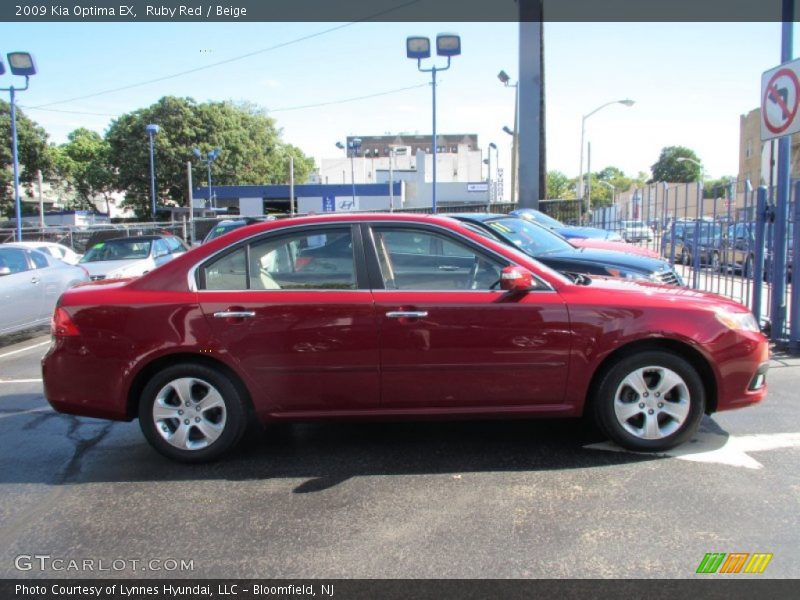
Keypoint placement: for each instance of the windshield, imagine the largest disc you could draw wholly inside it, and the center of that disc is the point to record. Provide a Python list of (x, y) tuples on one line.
[(537, 216), (532, 239), (222, 229), (706, 230), (127, 249)]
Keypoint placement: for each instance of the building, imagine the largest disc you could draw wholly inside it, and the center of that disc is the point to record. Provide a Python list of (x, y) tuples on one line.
[(380, 145), (755, 156)]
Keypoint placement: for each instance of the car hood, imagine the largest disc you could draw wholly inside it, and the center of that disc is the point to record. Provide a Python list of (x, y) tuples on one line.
[(612, 258), (136, 266), (582, 232), (615, 246)]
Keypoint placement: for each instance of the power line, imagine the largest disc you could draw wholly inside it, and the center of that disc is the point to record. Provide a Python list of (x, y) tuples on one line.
[(228, 60), (281, 109)]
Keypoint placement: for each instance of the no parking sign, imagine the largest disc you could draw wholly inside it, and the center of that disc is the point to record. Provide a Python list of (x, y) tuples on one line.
[(780, 97)]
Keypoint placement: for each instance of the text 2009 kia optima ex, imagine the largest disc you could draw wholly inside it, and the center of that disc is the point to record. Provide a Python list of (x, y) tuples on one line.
[(392, 316)]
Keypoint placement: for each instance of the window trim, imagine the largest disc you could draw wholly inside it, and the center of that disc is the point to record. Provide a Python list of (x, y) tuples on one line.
[(197, 280)]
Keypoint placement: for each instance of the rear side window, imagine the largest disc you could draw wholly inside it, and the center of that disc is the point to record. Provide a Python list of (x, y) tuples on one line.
[(39, 259), (318, 259)]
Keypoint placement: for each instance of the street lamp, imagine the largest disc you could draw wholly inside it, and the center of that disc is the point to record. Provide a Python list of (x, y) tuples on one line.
[(208, 159), (22, 65), (353, 146), (492, 146), (627, 102), (152, 130), (504, 79), (447, 44)]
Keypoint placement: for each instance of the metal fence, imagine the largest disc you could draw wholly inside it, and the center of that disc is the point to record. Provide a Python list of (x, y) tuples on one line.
[(726, 245)]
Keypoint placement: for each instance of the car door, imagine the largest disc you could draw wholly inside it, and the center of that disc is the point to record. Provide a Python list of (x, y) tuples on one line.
[(294, 311), (21, 290), (450, 339)]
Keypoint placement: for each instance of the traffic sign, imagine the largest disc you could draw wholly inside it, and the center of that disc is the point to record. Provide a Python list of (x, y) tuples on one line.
[(780, 98)]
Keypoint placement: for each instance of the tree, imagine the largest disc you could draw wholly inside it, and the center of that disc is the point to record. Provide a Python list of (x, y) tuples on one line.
[(84, 163), (668, 169), (718, 188), (33, 154), (251, 149), (559, 186)]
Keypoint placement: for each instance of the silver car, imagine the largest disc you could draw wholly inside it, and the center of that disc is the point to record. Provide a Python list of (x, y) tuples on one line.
[(30, 285)]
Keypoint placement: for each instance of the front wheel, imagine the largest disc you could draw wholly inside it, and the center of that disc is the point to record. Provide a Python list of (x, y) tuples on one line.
[(192, 413), (651, 401)]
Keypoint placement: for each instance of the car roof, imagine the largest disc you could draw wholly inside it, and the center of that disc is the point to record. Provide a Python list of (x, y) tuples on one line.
[(480, 216)]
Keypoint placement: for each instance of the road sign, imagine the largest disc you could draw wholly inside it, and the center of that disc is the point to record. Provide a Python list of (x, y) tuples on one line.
[(328, 203), (780, 97)]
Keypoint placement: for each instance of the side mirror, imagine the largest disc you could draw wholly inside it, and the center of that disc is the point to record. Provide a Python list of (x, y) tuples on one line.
[(5, 271), (516, 279)]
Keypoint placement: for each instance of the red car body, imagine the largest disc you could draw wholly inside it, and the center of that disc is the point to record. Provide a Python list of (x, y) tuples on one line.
[(334, 353), (617, 246)]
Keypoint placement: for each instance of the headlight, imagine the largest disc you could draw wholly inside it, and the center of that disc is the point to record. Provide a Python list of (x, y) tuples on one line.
[(738, 321)]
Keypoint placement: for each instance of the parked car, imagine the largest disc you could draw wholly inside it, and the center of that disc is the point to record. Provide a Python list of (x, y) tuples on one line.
[(239, 329), (635, 231), (131, 256), (568, 231), (584, 237), (556, 252), (30, 284), (708, 245), (59, 251), (228, 225), (738, 250)]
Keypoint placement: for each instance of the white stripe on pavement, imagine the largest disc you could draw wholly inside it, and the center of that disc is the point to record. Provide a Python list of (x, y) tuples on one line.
[(41, 409), (21, 380), (13, 352)]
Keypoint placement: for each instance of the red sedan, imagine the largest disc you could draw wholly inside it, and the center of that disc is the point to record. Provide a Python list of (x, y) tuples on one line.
[(392, 316)]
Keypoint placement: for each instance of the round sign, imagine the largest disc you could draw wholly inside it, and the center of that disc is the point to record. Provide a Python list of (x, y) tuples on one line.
[(780, 101)]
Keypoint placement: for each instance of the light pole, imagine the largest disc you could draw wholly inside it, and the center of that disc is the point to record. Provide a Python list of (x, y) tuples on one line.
[(353, 146), (504, 79), (488, 161), (22, 65), (626, 102), (152, 130), (208, 159), (449, 45)]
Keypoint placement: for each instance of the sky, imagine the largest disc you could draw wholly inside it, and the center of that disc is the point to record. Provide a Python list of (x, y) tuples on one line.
[(690, 81)]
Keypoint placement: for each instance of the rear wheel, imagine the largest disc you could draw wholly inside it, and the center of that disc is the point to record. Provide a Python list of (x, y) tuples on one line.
[(715, 262), (651, 401), (747, 269), (192, 413)]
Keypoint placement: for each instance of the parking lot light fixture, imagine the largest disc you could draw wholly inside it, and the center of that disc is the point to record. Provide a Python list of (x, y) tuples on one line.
[(21, 65), (208, 159), (506, 81), (626, 102), (419, 48)]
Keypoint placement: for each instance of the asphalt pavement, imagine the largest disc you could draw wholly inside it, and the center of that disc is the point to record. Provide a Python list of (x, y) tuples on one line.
[(463, 499)]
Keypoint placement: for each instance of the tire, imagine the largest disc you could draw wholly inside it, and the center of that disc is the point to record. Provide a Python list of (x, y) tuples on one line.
[(715, 263), (172, 417), (747, 268), (686, 258), (653, 423)]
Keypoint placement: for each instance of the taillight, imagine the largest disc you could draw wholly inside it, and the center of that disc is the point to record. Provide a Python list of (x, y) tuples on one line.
[(62, 324)]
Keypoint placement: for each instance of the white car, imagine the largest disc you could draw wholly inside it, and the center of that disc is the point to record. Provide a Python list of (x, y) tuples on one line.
[(30, 284), (59, 251), (130, 256), (636, 231)]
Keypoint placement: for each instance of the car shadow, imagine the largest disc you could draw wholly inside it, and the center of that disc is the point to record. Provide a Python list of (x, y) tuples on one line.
[(324, 455)]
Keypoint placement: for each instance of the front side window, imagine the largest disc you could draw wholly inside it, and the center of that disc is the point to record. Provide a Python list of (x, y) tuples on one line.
[(317, 259), (14, 259), (415, 259)]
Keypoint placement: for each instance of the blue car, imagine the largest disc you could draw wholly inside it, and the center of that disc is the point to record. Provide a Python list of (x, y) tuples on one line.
[(567, 231)]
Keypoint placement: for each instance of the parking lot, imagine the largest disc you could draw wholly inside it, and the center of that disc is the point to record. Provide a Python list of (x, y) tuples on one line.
[(399, 500)]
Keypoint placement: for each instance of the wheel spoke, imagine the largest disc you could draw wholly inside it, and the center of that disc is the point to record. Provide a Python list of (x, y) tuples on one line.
[(635, 381), (626, 410), (668, 381), (180, 437), (211, 431), (212, 399), (183, 389), (164, 411), (651, 428), (676, 410)]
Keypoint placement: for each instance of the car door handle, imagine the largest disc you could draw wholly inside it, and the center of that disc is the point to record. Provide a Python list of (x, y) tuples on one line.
[(234, 314), (407, 314), (448, 268), (35, 279)]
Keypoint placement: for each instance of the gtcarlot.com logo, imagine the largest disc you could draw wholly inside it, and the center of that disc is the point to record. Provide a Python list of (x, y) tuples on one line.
[(46, 562), (735, 562)]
